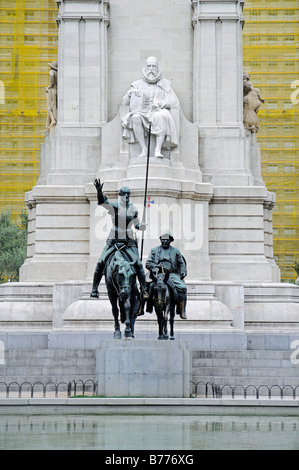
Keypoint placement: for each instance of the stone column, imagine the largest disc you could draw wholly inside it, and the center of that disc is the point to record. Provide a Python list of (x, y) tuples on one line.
[(82, 76), (218, 69), (228, 155), (59, 245), (82, 91), (218, 90)]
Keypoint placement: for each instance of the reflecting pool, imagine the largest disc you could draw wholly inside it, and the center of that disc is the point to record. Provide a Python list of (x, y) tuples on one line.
[(123, 432)]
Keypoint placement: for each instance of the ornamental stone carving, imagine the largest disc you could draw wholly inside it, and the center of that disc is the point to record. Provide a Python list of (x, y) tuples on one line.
[(252, 101), (51, 91), (151, 100)]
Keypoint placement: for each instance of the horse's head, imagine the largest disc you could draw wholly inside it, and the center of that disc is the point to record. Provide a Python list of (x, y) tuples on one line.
[(160, 288), (124, 277)]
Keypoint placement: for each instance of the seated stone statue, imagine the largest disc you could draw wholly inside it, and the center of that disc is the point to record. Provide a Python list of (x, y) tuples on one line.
[(124, 217), (151, 100), (171, 259)]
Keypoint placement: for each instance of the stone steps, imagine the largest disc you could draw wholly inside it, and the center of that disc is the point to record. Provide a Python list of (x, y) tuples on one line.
[(233, 367), (247, 367), (244, 354), (45, 365)]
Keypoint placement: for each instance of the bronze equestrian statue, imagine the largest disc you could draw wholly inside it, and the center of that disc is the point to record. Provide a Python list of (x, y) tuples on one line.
[(167, 258), (124, 215), (163, 300), (119, 261)]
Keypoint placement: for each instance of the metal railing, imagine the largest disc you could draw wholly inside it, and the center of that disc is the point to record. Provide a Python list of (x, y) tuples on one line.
[(88, 388), (43, 390), (212, 390)]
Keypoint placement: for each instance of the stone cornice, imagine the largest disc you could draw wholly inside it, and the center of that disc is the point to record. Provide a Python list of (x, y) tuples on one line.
[(84, 16), (57, 194), (101, 14), (199, 192), (241, 194), (205, 14)]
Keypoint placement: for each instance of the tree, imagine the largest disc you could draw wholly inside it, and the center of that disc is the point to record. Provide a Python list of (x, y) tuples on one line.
[(296, 267), (13, 244)]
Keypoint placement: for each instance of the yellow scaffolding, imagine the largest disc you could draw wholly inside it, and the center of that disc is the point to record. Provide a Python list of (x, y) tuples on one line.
[(270, 54), (28, 41)]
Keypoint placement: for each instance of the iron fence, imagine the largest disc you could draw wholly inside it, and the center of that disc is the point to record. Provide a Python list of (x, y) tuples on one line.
[(40, 389), (89, 388), (212, 390)]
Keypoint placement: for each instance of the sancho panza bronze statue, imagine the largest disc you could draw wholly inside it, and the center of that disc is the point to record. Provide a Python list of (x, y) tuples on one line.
[(169, 258), (124, 217)]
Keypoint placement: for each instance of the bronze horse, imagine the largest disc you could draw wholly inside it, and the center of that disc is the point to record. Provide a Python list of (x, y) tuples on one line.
[(162, 299), (122, 290)]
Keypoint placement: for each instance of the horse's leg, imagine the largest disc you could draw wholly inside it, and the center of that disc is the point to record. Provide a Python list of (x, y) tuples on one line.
[(171, 321), (128, 330), (159, 314), (135, 306), (165, 322), (133, 319), (115, 312)]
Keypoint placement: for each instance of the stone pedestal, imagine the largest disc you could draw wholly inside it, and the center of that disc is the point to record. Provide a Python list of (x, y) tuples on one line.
[(208, 190), (159, 369), (218, 92)]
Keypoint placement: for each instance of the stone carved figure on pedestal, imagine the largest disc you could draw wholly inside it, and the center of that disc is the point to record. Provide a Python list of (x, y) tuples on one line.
[(51, 91), (252, 101), (167, 258), (151, 100)]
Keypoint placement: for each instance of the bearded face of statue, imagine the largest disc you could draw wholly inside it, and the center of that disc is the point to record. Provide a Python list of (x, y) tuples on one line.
[(151, 71)]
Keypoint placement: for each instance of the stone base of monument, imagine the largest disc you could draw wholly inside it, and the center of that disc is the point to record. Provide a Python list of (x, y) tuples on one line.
[(220, 305), (144, 369)]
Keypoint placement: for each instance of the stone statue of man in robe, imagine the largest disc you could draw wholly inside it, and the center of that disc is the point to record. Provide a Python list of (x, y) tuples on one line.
[(51, 91), (151, 100)]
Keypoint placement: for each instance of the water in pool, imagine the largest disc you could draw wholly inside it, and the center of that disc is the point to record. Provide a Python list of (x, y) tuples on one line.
[(123, 432)]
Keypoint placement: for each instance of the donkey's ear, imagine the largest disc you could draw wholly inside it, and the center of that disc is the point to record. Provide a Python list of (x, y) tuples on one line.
[(166, 275), (153, 276)]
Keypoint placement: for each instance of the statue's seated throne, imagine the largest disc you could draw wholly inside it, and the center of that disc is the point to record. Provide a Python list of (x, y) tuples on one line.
[(121, 159), (150, 104)]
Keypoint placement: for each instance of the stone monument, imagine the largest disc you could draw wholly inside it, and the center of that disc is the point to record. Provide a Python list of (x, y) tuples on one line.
[(207, 189), (151, 101), (52, 96), (251, 103)]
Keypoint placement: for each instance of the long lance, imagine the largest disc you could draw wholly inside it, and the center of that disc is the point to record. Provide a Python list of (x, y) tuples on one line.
[(145, 191)]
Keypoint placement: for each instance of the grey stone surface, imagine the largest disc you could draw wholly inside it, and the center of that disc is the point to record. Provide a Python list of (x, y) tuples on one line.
[(260, 368), (215, 172), (148, 367), (47, 365), (144, 368)]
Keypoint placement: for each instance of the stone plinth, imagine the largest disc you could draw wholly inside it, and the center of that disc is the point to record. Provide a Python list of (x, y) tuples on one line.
[(208, 190), (144, 368)]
